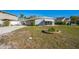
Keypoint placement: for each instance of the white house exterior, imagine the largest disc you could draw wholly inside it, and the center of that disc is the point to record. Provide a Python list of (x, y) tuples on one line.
[(15, 23), (1, 22), (7, 16), (45, 21)]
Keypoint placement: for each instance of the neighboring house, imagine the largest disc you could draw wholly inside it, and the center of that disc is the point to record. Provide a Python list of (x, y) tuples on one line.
[(7, 16), (27, 21), (60, 19), (67, 20), (45, 21), (78, 21), (63, 19)]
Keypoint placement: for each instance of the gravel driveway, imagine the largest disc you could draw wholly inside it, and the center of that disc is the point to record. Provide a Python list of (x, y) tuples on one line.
[(4, 30)]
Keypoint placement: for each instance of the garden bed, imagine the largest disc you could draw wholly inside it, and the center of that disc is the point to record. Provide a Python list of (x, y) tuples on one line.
[(51, 30), (46, 31)]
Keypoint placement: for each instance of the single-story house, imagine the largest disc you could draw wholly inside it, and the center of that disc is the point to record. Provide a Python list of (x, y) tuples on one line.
[(7, 16), (59, 19), (63, 19), (45, 21), (67, 20), (40, 21)]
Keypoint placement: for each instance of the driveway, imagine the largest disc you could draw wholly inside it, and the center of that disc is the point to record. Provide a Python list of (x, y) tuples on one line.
[(4, 30)]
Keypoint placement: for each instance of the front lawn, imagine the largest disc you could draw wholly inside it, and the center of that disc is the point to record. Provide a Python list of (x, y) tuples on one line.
[(68, 38)]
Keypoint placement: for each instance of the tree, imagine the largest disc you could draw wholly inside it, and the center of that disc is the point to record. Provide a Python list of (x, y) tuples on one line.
[(21, 17), (74, 19), (32, 19)]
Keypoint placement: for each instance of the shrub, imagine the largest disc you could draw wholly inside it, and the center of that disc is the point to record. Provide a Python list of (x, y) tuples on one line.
[(51, 29), (77, 22), (32, 23), (68, 23), (6, 23), (60, 23)]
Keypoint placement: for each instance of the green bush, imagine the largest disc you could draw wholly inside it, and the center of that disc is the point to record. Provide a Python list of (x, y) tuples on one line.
[(60, 23), (51, 29), (77, 22), (6, 23), (33, 24)]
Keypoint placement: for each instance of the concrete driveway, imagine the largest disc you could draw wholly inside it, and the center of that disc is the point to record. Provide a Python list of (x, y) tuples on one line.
[(8, 29)]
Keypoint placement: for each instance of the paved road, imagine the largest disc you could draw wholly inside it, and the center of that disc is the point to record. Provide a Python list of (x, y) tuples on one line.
[(4, 30)]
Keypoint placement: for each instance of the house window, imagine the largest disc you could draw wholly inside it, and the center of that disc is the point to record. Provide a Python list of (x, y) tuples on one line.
[(48, 23)]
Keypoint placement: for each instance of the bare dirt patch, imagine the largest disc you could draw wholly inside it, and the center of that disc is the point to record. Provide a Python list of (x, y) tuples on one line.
[(16, 39)]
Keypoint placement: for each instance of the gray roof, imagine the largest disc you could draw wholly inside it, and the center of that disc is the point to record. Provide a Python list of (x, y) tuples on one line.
[(7, 13)]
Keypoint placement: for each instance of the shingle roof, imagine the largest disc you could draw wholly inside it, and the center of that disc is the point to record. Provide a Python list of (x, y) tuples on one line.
[(7, 13), (60, 18)]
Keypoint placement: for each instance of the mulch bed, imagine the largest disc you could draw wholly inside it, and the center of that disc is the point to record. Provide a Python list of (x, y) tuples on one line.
[(46, 31)]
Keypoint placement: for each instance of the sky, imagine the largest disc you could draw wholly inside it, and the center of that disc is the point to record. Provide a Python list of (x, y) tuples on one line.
[(47, 13)]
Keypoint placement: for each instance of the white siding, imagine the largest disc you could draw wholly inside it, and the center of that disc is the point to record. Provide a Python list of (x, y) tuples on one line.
[(52, 20), (15, 23), (12, 23), (41, 21), (1, 22), (38, 21)]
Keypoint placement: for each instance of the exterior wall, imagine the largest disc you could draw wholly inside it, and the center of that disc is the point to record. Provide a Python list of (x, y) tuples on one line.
[(53, 23), (1, 23), (63, 20), (50, 20), (27, 23), (12, 23), (17, 23), (39, 22)]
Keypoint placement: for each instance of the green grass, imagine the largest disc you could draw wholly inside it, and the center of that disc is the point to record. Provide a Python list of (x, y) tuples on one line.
[(68, 38)]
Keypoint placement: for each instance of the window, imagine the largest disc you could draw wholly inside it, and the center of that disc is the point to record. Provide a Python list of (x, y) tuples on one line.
[(48, 22)]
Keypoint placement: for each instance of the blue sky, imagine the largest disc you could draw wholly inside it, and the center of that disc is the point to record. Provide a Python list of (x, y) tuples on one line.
[(49, 13)]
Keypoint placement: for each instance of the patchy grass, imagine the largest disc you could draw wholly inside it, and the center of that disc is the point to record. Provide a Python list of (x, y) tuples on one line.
[(68, 38)]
